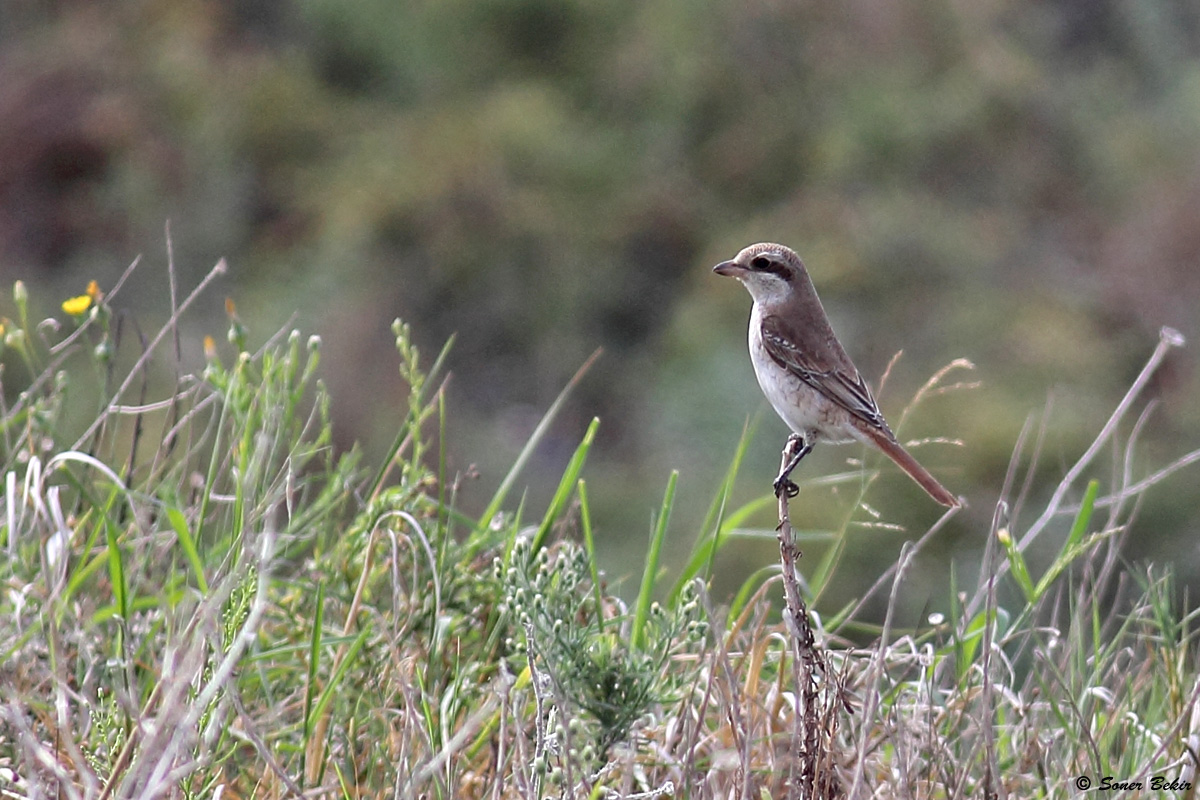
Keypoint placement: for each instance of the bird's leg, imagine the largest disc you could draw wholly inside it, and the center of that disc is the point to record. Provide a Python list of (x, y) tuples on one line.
[(795, 449)]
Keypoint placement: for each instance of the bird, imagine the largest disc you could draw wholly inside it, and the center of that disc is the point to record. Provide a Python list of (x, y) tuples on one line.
[(804, 371)]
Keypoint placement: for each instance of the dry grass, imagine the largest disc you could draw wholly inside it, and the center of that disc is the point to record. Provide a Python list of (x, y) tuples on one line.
[(201, 600)]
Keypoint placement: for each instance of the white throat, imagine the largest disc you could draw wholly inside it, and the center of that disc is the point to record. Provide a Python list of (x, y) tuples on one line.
[(766, 288)]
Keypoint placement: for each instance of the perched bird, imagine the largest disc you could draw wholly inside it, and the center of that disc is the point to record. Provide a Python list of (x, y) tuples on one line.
[(803, 370)]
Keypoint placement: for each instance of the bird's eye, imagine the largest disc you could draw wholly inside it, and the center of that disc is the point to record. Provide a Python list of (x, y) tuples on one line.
[(760, 262)]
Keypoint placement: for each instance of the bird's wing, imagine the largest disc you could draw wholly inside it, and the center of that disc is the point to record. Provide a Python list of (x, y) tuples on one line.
[(840, 382)]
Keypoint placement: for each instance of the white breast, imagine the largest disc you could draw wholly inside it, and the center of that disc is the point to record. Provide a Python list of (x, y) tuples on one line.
[(805, 410)]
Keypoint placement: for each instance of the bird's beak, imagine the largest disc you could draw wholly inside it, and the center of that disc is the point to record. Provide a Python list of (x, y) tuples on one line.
[(730, 269)]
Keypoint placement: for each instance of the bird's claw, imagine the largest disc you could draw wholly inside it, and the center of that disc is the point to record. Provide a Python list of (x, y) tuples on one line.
[(784, 485)]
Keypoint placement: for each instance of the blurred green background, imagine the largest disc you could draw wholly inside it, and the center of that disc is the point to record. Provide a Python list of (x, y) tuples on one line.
[(1015, 183)]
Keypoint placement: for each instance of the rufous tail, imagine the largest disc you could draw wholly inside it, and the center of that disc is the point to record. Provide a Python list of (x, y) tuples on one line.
[(892, 449)]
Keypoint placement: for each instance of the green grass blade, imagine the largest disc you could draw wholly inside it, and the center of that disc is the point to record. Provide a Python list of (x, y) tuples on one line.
[(749, 587), (731, 473), (650, 571), (443, 515), (116, 565), (335, 681), (833, 621), (188, 543), (440, 361), (565, 486), (314, 655), (1073, 548), (968, 644), (1080, 525), (534, 438), (589, 542), (705, 552), (80, 575), (413, 418), (1020, 570)]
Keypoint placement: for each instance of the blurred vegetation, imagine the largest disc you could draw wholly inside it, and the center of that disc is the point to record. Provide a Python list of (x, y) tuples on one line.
[(1010, 182)]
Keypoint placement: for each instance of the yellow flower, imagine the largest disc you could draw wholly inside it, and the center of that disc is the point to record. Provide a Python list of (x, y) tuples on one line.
[(77, 305)]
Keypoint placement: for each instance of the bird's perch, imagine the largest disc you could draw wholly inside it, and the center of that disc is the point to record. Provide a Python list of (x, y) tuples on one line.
[(797, 612), (808, 663)]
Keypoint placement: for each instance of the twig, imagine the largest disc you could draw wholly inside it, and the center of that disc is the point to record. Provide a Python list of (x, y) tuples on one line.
[(1167, 338), (216, 271), (808, 659), (878, 662)]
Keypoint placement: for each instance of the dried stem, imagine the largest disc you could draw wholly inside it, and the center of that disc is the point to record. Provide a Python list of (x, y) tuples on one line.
[(809, 665)]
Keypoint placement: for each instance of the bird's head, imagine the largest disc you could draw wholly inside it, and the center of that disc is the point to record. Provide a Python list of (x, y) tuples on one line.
[(768, 271)]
